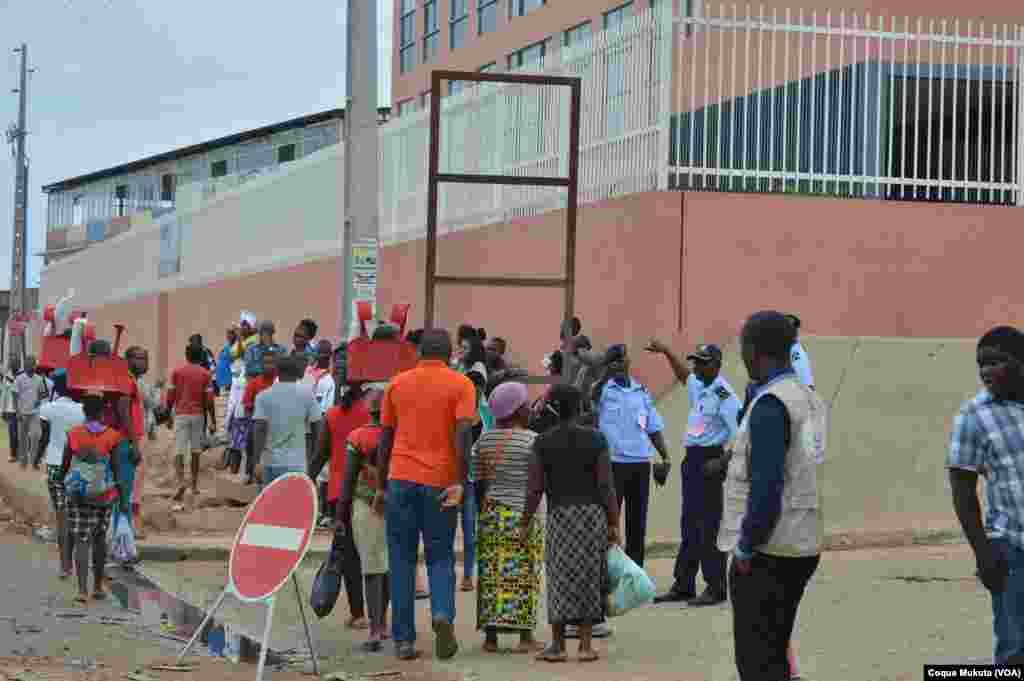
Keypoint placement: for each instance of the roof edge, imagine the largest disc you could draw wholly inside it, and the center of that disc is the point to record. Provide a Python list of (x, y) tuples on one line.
[(200, 148)]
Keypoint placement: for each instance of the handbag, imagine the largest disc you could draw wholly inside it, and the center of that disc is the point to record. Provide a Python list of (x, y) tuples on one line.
[(327, 583)]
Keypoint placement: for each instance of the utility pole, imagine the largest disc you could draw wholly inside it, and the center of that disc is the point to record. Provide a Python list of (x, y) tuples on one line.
[(19, 256), (361, 221)]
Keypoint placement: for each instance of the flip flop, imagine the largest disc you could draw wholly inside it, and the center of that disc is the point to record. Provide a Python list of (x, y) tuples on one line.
[(552, 654), (421, 595), (490, 646), (589, 656), (467, 585)]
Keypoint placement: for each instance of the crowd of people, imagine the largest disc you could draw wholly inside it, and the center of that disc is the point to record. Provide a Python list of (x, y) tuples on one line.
[(539, 486)]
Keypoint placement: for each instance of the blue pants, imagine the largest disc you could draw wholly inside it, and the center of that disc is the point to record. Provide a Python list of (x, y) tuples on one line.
[(272, 473), (1008, 607), (701, 517), (413, 510), (469, 513)]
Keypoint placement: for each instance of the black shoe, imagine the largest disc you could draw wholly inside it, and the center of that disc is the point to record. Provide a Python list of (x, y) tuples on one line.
[(675, 595), (707, 598)]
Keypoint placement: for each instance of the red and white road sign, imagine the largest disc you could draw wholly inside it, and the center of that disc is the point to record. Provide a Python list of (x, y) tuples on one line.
[(274, 537)]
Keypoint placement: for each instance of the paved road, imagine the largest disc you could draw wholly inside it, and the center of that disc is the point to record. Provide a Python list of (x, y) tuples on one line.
[(41, 629)]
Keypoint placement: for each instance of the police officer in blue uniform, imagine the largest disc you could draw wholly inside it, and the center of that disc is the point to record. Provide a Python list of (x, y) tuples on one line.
[(712, 422)]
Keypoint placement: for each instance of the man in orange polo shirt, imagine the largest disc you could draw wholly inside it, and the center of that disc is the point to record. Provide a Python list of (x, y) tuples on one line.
[(428, 415)]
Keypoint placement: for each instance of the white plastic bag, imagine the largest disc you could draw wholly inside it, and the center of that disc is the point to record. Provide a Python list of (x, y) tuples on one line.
[(629, 585), (122, 540)]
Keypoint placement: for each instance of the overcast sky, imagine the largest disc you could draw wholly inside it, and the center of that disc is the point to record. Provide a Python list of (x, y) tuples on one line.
[(119, 80)]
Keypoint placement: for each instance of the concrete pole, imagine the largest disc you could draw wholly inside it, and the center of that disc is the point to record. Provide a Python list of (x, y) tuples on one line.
[(18, 300), (361, 224)]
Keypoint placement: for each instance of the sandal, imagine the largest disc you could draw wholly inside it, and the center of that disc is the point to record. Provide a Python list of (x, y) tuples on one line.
[(552, 654), (467, 584), (490, 646), (587, 656), (421, 595)]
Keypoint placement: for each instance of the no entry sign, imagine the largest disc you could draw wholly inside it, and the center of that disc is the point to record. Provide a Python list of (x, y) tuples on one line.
[(274, 537)]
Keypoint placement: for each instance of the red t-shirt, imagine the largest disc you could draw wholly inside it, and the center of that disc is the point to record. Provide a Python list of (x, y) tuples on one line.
[(340, 424), (253, 388), (189, 385)]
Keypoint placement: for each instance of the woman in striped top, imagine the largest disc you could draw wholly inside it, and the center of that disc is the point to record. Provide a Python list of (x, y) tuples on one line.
[(509, 564)]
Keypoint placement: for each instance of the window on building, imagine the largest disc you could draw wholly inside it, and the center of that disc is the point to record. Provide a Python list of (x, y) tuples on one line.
[(529, 55), (218, 169), (286, 154), (578, 35), (425, 100), (487, 16), (406, 107), (456, 86), (431, 31), (458, 22), (617, 17), (78, 210), (520, 8), (616, 94), (121, 200), (407, 37), (167, 183)]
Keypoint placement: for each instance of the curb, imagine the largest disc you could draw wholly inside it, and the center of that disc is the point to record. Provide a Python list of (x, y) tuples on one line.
[(36, 507)]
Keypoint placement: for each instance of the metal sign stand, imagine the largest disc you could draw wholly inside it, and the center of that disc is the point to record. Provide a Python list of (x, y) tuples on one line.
[(264, 644), (262, 530)]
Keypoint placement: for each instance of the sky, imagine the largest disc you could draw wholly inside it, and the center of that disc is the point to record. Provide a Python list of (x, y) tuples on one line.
[(117, 81)]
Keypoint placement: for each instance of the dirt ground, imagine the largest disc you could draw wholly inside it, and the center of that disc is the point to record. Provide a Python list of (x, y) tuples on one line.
[(868, 614)]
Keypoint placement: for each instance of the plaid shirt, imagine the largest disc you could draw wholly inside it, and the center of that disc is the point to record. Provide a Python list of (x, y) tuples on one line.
[(988, 438)]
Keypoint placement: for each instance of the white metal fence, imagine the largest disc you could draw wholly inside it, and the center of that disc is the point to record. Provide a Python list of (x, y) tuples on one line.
[(849, 105), (523, 130)]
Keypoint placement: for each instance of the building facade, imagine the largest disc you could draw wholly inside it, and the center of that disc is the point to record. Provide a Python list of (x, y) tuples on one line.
[(94, 207)]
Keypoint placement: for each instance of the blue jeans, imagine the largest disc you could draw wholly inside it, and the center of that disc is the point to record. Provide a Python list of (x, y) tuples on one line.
[(469, 513), (1008, 606), (413, 510)]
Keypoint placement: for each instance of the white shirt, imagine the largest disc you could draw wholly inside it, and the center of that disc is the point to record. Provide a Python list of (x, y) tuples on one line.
[(802, 364), (323, 388), (62, 414)]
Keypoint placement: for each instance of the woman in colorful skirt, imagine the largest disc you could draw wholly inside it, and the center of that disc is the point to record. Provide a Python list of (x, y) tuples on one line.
[(509, 563), (572, 468)]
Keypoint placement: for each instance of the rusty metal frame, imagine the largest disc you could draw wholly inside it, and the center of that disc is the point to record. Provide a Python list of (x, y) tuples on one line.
[(435, 178)]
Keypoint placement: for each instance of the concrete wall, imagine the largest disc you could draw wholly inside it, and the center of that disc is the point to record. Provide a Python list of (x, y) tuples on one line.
[(272, 246), (690, 267), (893, 401)]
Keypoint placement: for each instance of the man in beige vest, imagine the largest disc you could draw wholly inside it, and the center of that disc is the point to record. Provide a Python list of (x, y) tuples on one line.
[(772, 522)]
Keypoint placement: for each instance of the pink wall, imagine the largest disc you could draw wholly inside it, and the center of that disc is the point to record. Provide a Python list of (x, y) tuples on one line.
[(690, 267), (687, 268)]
